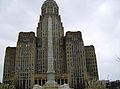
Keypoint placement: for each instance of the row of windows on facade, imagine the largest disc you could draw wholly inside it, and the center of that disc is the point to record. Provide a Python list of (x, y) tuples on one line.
[(25, 57), (43, 68), (69, 42), (92, 69), (44, 26), (26, 54), (6, 75), (44, 56), (91, 61), (73, 35), (8, 82), (25, 45), (9, 57), (44, 23), (89, 53), (26, 40), (26, 69), (27, 48), (19, 74), (57, 36), (92, 56), (75, 56), (24, 77), (26, 65), (55, 48), (75, 52), (43, 62), (50, 10), (89, 49), (72, 71), (10, 53), (59, 81), (9, 70), (75, 47), (76, 41), (75, 63), (77, 80), (78, 74), (93, 74), (56, 42), (9, 63), (25, 74), (24, 84), (55, 28)]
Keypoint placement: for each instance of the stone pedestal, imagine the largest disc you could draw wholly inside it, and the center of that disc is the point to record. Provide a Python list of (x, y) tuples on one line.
[(51, 85), (37, 86), (65, 86)]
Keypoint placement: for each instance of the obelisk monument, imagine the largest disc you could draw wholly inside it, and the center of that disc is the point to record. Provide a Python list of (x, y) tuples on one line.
[(50, 84)]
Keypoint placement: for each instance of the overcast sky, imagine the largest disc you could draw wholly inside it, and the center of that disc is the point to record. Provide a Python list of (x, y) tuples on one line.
[(98, 20)]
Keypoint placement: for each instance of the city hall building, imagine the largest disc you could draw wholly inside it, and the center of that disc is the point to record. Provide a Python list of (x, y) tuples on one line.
[(26, 64)]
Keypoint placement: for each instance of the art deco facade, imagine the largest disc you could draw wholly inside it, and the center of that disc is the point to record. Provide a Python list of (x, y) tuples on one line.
[(91, 60), (25, 60), (74, 63), (9, 65), (75, 57)]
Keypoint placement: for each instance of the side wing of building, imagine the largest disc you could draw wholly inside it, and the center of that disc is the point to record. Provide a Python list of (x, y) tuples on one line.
[(9, 66), (25, 60), (91, 62)]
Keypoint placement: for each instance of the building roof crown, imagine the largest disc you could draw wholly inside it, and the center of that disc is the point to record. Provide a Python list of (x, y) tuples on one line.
[(50, 7)]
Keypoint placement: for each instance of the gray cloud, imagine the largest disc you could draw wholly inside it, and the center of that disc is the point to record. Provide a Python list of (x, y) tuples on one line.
[(99, 21)]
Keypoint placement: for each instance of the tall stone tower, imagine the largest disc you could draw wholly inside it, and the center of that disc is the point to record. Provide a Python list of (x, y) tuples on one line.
[(50, 8), (25, 60), (76, 61)]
